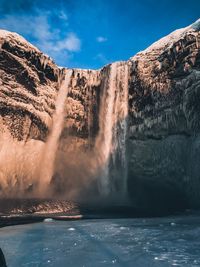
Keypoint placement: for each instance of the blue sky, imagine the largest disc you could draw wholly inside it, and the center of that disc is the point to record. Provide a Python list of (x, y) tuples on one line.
[(90, 34)]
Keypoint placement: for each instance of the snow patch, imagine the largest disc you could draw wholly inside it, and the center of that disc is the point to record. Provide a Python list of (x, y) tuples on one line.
[(47, 220), (170, 39), (196, 25), (15, 37), (71, 229)]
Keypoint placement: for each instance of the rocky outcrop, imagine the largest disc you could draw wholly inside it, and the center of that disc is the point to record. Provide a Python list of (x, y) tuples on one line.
[(164, 84), (164, 121), (28, 87), (159, 134), (82, 105)]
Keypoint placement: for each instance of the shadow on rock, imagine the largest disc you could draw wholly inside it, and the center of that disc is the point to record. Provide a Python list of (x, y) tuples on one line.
[(2, 259)]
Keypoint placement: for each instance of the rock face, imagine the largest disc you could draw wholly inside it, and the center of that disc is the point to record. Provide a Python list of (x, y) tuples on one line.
[(164, 129), (82, 105), (28, 88), (136, 120)]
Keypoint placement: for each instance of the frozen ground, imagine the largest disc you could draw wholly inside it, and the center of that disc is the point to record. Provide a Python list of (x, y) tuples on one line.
[(155, 242)]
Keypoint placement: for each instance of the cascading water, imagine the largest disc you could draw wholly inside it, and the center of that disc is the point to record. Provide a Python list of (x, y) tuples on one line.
[(118, 170), (48, 158), (104, 139), (111, 140)]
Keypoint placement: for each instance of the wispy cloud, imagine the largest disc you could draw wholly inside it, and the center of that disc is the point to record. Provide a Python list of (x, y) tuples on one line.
[(101, 39), (71, 43), (102, 58), (38, 29), (62, 15)]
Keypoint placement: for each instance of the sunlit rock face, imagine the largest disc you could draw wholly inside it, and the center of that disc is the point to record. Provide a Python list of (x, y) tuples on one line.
[(28, 84), (82, 104), (28, 89), (130, 128)]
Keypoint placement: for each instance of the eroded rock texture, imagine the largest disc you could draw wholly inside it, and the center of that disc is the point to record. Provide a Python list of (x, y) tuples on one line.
[(82, 104), (28, 87), (164, 96)]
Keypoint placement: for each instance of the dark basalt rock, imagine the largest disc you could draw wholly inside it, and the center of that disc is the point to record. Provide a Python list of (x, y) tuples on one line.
[(157, 197), (2, 259)]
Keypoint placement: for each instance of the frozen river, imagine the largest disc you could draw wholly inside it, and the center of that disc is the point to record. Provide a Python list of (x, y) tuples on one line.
[(155, 242)]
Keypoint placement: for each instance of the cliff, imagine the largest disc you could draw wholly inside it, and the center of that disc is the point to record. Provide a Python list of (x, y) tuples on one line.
[(129, 127), (28, 87), (164, 128)]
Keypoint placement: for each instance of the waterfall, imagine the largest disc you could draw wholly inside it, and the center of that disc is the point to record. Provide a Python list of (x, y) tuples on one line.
[(104, 139), (118, 154), (111, 140), (48, 158)]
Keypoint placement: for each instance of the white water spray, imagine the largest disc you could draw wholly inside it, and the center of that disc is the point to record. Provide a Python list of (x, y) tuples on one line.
[(118, 155), (104, 139), (111, 140), (48, 159), (18, 165)]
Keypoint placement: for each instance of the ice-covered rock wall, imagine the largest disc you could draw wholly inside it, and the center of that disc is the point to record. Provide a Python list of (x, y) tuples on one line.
[(164, 96)]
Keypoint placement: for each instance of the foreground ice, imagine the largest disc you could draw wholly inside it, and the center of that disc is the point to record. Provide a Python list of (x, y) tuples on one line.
[(112, 242)]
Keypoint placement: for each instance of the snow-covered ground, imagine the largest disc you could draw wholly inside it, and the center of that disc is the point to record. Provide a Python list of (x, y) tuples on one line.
[(113, 242)]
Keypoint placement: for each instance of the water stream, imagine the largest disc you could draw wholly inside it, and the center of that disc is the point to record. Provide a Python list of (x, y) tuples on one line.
[(111, 140), (47, 164)]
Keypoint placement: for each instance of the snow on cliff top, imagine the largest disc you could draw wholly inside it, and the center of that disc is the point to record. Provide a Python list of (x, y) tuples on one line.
[(15, 38), (173, 37)]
